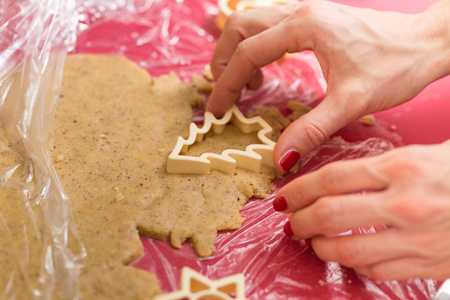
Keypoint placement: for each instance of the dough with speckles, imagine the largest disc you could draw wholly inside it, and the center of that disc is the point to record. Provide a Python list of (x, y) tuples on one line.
[(113, 131)]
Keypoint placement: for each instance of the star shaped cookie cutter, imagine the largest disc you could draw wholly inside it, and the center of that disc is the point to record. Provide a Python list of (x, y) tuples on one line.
[(194, 286), (251, 159)]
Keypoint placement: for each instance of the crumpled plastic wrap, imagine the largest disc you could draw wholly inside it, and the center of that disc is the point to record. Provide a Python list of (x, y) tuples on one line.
[(160, 36), (35, 38), (275, 266)]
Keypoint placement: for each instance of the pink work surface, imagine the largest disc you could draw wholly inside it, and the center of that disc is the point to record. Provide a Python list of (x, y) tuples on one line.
[(180, 35)]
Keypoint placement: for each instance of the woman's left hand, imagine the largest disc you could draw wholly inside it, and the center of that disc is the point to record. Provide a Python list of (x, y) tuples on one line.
[(409, 193)]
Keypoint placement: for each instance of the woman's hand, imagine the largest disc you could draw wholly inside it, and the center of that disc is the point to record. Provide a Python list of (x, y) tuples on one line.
[(371, 61), (240, 26), (411, 196)]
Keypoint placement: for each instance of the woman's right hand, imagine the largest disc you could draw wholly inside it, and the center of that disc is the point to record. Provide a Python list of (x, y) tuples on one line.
[(371, 60)]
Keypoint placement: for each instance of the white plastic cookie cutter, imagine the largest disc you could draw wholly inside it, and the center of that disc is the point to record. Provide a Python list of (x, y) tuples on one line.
[(194, 286), (251, 159)]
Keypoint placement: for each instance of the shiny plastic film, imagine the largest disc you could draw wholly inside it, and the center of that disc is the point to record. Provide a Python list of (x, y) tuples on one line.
[(41, 254), (42, 251)]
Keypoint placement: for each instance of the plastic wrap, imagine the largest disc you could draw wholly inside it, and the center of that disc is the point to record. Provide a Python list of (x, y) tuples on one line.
[(275, 266), (35, 38), (160, 36)]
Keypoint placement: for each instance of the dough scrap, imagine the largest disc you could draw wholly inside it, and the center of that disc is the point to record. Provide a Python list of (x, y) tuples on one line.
[(275, 118), (297, 109), (368, 120), (202, 84)]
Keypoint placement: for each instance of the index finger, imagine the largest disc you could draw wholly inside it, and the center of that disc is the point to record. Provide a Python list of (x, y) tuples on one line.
[(241, 25), (251, 54)]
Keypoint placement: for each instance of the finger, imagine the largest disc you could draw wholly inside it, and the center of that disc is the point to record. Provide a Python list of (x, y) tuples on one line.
[(235, 31), (256, 81), (362, 251), (336, 178), (251, 54), (241, 25), (396, 269), (446, 143), (336, 214), (312, 130)]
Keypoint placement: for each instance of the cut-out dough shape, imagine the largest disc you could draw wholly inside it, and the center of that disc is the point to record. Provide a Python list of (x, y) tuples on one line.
[(194, 286), (251, 159)]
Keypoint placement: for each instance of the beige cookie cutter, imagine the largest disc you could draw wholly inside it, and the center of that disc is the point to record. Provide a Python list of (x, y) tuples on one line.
[(194, 286), (251, 159)]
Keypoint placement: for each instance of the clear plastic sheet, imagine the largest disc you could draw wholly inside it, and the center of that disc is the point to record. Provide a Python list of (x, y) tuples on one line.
[(161, 36), (34, 39), (275, 266)]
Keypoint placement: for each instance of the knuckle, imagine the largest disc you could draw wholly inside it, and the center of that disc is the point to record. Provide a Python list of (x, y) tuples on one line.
[(378, 273), (409, 155), (242, 51), (216, 70), (298, 198), (325, 214), (409, 209), (306, 9), (290, 26), (331, 178), (241, 48), (315, 135), (409, 161), (373, 172), (349, 254), (234, 19), (413, 213)]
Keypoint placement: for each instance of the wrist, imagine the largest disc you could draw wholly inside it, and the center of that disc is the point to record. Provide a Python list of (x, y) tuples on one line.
[(435, 36)]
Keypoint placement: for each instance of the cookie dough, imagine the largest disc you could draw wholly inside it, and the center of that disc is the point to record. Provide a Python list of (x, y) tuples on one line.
[(112, 132), (115, 127), (276, 119), (368, 120)]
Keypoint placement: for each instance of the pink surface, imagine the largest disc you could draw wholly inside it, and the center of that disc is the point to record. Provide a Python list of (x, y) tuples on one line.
[(180, 35), (424, 120), (405, 6)]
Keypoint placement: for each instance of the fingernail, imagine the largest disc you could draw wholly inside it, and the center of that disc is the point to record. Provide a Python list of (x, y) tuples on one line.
[(280, 203), (289, 159), (308, 242), (287, 229)]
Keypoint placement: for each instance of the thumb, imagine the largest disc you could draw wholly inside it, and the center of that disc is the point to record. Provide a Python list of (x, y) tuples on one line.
[(309, 132)]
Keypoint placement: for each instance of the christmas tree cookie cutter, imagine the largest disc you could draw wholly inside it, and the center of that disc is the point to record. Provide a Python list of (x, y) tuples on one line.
[(251, 159), (194, 286)]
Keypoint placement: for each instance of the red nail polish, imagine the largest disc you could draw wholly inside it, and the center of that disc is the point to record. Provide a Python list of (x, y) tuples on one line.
[(280, 203), (308, 242), (287, 229), (289, 159)]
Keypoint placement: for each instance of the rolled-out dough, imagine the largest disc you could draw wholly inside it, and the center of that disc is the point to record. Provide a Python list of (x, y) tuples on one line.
[(113, 130), (114, 127)]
